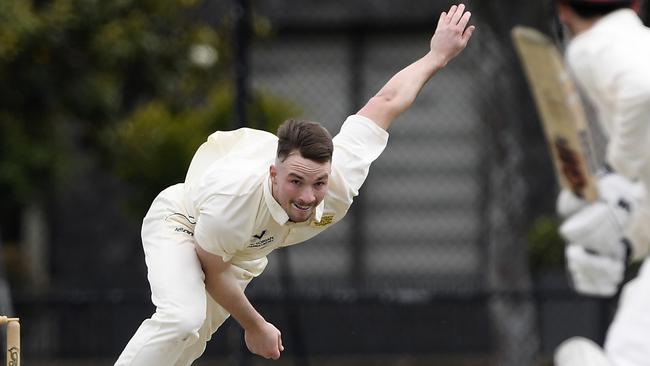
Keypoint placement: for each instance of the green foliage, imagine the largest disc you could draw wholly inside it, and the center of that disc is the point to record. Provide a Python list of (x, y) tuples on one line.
[(153, 147), (134, 84), (71, 68), (545, 245)]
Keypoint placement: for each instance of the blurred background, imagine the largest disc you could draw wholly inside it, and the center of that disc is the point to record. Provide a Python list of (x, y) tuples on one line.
[(448, 257)]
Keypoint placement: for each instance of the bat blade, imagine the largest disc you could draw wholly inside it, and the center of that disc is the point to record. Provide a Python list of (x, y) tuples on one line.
[(561, 112)]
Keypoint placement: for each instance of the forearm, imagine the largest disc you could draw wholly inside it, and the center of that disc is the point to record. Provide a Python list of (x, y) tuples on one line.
[(450, 38), (225, 290), (400, 91), (627, 150), (223, 286)]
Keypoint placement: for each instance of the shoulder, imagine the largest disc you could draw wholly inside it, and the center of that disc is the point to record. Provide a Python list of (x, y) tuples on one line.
[(360, 126), (242, 136), (359, 142), (232, 162), (228, 148), (236, 178)]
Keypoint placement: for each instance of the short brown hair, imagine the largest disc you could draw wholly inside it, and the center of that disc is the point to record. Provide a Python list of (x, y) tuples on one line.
[(309, 138)]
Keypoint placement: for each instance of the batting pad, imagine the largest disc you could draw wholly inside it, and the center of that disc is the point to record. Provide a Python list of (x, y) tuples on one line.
[(578, 351)]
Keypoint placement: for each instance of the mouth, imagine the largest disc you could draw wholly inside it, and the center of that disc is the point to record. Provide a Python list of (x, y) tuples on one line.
[(300, 208)]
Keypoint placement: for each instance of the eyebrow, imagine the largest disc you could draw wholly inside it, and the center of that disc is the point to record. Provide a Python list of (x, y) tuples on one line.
[(322, 177)]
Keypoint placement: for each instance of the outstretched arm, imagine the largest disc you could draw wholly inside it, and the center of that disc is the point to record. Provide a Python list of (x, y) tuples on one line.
[(450, 38), (261, 337)]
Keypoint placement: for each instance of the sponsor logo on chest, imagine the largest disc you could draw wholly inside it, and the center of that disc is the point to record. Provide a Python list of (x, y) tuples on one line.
[(324, 221), (260, 240)]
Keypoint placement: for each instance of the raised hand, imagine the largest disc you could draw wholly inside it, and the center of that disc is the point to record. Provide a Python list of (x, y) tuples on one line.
[(399, 93), (452, 33)]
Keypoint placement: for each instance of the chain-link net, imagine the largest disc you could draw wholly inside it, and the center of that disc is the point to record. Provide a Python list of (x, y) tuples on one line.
[(432, 261)]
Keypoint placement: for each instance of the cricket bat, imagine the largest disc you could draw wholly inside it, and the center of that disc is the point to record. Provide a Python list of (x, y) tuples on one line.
[(561, 112)]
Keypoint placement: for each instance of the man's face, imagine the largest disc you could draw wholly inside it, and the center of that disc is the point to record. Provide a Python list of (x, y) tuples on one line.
[(299, 185)]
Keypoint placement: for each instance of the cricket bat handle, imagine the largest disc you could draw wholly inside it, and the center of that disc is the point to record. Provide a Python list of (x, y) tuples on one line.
[(13, 340)]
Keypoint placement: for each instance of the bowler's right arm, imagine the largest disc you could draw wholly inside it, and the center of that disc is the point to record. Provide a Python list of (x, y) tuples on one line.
[(262, 338)]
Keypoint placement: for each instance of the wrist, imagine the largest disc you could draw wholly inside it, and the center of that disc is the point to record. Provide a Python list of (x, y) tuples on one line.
[(435, 60), (254, 322)]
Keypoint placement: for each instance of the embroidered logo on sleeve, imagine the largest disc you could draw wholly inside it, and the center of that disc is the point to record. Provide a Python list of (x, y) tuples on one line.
[(324, 221)]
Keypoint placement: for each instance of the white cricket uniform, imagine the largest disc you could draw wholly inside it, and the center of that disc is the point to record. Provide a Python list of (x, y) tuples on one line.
[(226, 207), (611, 63)]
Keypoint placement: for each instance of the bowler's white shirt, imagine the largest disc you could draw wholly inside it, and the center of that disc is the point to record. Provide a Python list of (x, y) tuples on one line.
[(228, 191)]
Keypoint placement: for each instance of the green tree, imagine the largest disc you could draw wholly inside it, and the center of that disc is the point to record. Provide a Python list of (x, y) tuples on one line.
[(70, 69), (153, 147), (77, 66), (135, 85)]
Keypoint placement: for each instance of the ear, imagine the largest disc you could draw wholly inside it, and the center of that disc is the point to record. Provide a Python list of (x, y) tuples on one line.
[(273, 172), (636, 6)]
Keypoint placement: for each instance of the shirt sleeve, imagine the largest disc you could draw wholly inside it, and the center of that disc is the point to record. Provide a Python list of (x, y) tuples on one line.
[(356, 146), (627, 150), (217, 230)]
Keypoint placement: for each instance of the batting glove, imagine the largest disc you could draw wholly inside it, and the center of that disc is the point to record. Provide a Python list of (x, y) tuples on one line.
[(594, 274)]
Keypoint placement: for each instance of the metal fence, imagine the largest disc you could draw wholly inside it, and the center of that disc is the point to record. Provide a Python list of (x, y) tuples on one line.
[(431, 262)]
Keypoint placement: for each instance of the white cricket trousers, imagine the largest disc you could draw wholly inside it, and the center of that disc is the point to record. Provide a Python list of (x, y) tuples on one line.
[(186, 316), (628, 338)]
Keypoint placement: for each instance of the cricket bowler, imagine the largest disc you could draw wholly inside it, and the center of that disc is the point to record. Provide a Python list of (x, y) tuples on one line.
[(248, 192)]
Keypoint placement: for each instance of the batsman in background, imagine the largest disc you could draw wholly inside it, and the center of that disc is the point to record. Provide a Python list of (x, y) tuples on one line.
[(248, 192), (609, 55)]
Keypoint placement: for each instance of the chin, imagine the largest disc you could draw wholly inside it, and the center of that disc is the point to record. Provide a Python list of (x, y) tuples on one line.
[(301, 217)]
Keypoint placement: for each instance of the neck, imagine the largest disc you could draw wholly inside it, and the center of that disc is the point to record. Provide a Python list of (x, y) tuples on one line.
[(580, 25)]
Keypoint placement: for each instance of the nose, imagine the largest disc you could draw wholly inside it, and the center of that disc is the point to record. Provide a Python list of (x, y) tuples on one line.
[(307, 196)]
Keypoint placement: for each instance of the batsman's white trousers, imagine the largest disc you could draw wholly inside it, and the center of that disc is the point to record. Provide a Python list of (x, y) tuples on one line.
[(186, 316), (628, 338), (627, 342)]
